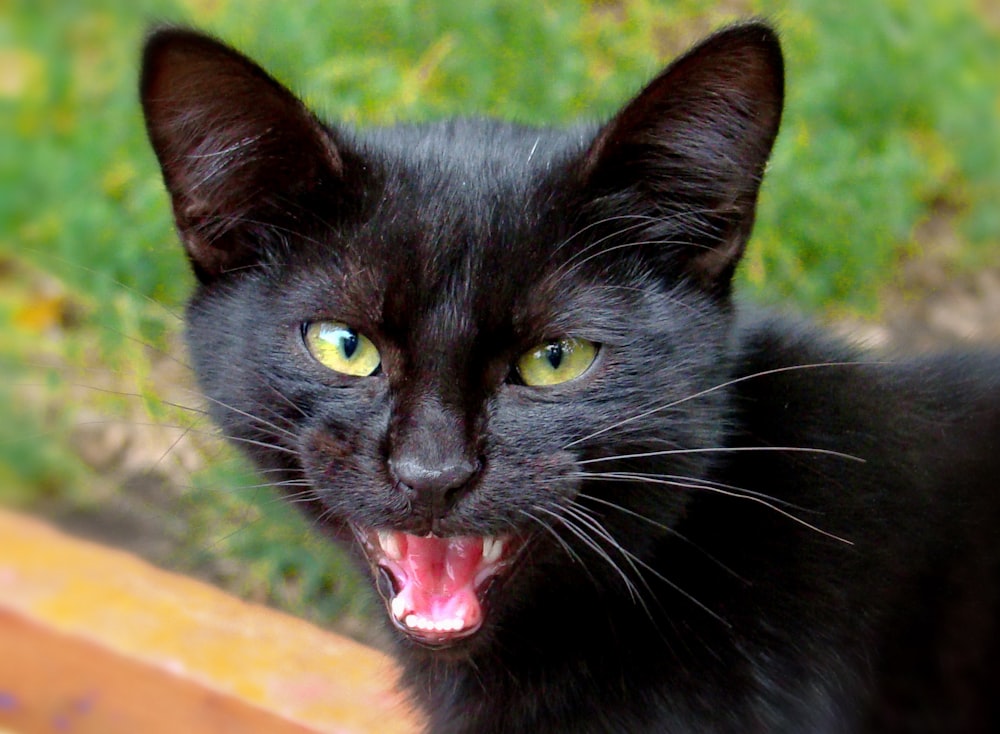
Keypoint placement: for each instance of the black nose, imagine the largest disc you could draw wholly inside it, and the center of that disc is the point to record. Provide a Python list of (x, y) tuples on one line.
[(432, 455), (435, 486)]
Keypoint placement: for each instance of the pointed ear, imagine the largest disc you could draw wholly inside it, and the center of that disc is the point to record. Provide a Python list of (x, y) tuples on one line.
[(241, 156), (690, 149)]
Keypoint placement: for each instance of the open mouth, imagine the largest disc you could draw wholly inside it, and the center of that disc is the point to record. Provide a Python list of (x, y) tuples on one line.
[(438, 585)]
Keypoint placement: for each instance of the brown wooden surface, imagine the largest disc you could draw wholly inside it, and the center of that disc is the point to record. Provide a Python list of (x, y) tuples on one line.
[(95, 641)]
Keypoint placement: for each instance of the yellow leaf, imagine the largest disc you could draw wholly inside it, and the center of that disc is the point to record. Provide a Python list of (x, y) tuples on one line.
[(42, 314), (20, 72)]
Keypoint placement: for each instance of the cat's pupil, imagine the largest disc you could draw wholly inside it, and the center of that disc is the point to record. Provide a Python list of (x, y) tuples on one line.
[(554, 353), (348, 342)]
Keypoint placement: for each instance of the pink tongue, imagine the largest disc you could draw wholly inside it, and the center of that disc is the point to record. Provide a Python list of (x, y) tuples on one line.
[(438, 579)]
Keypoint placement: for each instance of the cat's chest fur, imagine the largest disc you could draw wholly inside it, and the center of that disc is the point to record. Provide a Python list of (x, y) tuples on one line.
[(504, 365)]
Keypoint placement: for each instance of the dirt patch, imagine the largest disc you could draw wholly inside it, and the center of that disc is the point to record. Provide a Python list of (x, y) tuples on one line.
[(934, 303)]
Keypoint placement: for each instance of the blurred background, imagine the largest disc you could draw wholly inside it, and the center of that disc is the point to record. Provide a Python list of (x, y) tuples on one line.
[(880, 214)]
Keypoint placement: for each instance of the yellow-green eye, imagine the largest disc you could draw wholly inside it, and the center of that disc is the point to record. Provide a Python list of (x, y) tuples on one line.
[(340, 348), (555, 362)]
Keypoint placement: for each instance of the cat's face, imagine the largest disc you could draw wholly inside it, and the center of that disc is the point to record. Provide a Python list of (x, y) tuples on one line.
[(439, 338)]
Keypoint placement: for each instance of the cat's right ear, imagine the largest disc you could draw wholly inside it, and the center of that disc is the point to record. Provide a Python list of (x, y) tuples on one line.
[(242, 157)]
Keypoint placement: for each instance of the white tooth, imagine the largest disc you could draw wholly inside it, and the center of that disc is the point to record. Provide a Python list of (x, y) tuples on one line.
[(492, 549), (415, 622), (390, 545), (398, 607)]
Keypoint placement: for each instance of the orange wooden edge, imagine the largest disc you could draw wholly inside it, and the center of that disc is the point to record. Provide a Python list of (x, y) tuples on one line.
[(96, 641)]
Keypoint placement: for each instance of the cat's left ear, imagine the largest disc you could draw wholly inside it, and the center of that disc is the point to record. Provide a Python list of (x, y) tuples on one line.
[(243, 159), (691, 148)]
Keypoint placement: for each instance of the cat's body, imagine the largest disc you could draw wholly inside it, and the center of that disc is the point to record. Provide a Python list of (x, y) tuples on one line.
[(504, 365)]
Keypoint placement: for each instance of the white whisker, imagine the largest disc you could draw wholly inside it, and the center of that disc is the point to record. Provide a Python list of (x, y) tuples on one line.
[(639, 476), (723, 449), (666, 528), (716, 388), (558, 538), (593, 545), (727, 493), (633, 559)]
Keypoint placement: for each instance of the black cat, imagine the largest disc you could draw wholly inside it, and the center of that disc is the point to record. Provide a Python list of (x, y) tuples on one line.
[(504, 364)]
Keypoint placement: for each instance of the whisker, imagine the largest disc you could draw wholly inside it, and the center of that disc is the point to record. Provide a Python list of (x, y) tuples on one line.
[(613, 248), (736, 495), (552, 531), (724, 449), (173, 445), (159, 305), (686, 219), (239, 145), (640, 220), (256, 418), (699, 482), (244, 523), (633, 558), (593, 545), (265, 445), (170, 356), (119, 394), (582, 515), (185, 428), (716, 388), (287, 400), (665, 528), (263, 485)]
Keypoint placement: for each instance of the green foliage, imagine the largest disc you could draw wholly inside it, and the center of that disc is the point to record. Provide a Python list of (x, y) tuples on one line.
[(892, 117)]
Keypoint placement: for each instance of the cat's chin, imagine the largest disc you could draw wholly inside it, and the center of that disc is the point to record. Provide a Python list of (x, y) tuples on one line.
[(435, 588)]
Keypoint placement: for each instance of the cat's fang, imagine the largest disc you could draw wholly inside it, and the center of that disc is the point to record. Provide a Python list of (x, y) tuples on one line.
[(492, 549), (390, 544)]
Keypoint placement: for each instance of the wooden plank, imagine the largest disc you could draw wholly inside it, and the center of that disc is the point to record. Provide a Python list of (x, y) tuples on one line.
[(94, 640)]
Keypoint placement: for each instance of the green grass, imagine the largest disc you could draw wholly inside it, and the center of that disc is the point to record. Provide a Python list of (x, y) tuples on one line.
[(893, 116)]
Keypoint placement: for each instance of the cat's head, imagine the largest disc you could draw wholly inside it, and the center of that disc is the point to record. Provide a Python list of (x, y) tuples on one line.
[(450, 342)]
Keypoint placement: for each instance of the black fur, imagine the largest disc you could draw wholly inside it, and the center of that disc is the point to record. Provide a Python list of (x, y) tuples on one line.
[(809, 541)]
